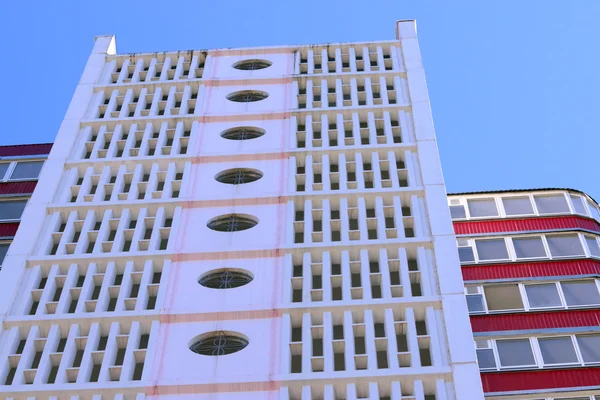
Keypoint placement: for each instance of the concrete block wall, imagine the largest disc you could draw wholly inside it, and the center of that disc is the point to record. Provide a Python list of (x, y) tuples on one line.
[(329, 277)]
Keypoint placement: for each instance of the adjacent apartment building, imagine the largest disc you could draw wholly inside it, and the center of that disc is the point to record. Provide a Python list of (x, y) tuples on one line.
[(253, 223), (530, 262)]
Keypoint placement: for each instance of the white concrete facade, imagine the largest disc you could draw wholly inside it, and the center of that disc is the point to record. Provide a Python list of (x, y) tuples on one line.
[(354, 285)]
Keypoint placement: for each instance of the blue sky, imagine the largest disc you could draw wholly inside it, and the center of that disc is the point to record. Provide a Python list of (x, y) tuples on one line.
[(514, 84)]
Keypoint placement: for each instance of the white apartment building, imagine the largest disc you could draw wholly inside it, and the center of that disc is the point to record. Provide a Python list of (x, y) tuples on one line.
[(241, 224)]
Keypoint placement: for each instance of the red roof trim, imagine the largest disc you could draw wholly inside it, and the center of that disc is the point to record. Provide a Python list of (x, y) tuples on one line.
[(530, 270), (526, 224), (25, 149), (9, 230), (17, 187), (497, 382), (535, 320)]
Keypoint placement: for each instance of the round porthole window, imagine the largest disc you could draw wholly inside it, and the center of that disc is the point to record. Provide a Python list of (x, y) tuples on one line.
[(225, 279), (242, 133), (219, 343), (232, 223), (247, 96), (252, 65), (239, 176)]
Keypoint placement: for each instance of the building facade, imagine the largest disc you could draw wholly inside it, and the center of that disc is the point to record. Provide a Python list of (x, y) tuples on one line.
[(265, 223), (20, 167), (530, 262)]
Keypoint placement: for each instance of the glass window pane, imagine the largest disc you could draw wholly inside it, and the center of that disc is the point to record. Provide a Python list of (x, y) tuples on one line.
[(458, 212), (475, 303), (545, 295), (503, 297), (27, 170), (485, 358), (564, 245), (558, 350), (465, 254), (578, 204), (589, 345), (3, 169), (517, 205), (581, 293), (3, 250), (491, 249), (593, 245), (551, 204), (594, 211), (11, 209), (529, 247), (482, 208), (515, 352)]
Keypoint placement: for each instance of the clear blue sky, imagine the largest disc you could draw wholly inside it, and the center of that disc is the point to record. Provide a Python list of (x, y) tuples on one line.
[(514, 84)]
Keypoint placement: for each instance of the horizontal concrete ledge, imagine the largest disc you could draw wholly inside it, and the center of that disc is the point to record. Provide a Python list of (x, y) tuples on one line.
[(278, 310), (298, 249), (252, 384)]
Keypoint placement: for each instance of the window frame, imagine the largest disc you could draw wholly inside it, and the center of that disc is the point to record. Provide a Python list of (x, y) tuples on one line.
[(479, 290), (492, 344), (12, 165), (13, 200), (463, 242), (570, 197)]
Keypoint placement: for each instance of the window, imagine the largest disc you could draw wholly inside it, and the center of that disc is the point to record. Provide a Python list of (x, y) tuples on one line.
[(3, 169), (27, 170), (594, 211), (219, 344), (243, 133), (491, 249), (457, 212), (589, 346), (503, 297), (474, 299), (225, 279), (552, 204), (543, 295), (482, 208), (593, 246), (238, 176), (529, 247), (485, 355), (581, 293), (11, 210), (247, 96), (558, 350), (252, 65), (517, 205), (515, 352), (564, 245), (465, 254), (232, 223), (578, 206), (3, 251)]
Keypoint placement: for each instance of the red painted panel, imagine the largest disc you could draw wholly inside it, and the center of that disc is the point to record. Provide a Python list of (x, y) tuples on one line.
[(8, 229), (17, 187), (526, 270), (543, 379), (538, 320), (525, 224), (25, 149)]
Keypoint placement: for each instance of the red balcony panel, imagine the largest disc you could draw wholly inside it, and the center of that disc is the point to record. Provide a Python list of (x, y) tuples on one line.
[(525, 224), (539, 320), (17, 187), (8, 229), (536, 380), (25, 150), (529, 270)]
